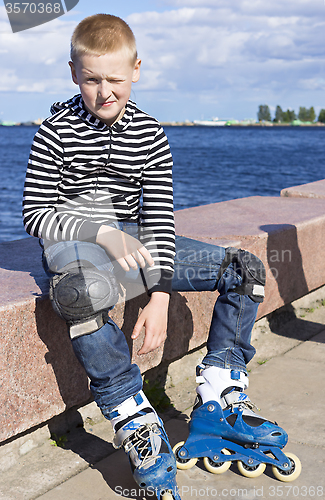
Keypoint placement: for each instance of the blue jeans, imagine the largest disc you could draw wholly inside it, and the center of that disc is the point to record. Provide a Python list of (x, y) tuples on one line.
[(105, 354)]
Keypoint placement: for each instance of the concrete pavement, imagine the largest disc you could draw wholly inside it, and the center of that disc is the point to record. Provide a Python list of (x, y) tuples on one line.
[(286, 382)]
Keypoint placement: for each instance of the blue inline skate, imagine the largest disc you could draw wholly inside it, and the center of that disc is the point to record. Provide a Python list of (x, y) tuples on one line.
[(224, 428), (141, 433)]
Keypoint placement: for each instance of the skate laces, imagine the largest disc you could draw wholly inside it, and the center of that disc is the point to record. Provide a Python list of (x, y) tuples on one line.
[(242, 404), (140, 441)]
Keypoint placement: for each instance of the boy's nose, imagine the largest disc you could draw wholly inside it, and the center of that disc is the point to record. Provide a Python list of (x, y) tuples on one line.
[(105, 90)]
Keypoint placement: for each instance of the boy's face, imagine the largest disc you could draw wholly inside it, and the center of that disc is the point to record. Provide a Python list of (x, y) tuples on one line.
[(105, 83)]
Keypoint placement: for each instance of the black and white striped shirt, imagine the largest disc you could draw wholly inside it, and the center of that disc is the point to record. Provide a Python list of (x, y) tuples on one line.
[(83, 173)]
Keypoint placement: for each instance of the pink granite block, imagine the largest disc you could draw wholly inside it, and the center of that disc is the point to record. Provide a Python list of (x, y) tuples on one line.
[(287, 234), (39, 374), (311, 190)]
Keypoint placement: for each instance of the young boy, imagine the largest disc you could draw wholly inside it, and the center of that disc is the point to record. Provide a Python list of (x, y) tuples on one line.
[(90, 163)]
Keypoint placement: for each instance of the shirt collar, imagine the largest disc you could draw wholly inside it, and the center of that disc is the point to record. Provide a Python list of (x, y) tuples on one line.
[(78, 106)]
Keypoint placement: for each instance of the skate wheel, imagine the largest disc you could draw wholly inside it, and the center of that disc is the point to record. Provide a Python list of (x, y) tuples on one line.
[(217, 467), (292, 473), (167, 496), (250, 471), (183, 463)]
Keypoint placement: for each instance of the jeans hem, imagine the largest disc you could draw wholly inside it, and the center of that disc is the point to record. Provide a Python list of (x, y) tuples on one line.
[(224, 365)]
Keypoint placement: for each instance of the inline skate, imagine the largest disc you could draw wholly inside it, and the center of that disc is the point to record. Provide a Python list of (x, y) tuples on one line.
[(141, 433), (224, 428)]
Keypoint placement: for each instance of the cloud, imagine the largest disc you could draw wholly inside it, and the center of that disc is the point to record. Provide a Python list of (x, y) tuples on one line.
[(35, 60), (196, 51), (229, 42), (256, 8)]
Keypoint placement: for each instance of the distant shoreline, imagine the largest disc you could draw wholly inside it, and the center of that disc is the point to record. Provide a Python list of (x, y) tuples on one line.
[(268, 124), (196, 124)]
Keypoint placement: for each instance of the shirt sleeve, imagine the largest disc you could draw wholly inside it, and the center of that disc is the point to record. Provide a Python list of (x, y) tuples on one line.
[(157, 216), (41, 208)]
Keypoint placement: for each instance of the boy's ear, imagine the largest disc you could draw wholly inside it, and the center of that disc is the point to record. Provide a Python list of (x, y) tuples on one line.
[(136, 71), (73, 73)]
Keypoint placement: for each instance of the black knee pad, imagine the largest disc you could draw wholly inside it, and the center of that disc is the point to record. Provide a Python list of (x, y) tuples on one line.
[(250, 268), (81, 296)]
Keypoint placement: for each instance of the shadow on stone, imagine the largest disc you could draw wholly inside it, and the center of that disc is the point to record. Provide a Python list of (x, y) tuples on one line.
[(68, 432), (71, 378), (179, 333), (285, 261), (285, 323), (286, 265)]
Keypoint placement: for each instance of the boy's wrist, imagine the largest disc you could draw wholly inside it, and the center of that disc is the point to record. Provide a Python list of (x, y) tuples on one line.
[(102, 234), (105, 229)]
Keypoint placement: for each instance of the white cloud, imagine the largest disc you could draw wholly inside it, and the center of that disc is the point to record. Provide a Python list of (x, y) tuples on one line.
[(256, 7), (35, 60), (251, 46), (198, 51)]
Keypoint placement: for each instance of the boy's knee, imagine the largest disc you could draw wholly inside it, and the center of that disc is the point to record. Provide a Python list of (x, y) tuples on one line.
[(250, 268), (82, 296)]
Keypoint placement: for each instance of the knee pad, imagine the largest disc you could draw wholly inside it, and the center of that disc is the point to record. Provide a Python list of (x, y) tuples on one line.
[(82, 296), (250, 268)]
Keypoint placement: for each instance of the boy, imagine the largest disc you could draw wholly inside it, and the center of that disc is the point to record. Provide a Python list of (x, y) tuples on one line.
[(89, 165)]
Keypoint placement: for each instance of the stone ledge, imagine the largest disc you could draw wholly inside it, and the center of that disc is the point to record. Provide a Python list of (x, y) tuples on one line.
[(287, 234), (41, 378), (311, 190)]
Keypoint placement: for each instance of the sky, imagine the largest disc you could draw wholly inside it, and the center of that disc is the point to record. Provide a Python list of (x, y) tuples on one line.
[(201, 59)]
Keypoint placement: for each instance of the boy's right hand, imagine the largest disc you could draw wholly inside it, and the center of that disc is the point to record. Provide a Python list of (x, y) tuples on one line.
[(126, 250)]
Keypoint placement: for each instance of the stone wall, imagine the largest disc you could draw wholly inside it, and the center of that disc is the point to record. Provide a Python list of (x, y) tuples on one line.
[(39, 374)]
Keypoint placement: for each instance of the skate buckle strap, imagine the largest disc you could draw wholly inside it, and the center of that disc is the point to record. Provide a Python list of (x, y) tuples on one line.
[(128, 407), (240, 377)]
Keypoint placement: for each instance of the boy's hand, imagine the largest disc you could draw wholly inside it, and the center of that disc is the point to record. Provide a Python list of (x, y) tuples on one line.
[(154, 318), (126, 250)]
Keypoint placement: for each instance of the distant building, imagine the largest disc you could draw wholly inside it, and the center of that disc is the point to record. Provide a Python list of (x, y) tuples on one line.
[(215, 122)]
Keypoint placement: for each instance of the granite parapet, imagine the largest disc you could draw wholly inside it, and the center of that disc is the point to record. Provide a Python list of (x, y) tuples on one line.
[(40, 376), (310, 190)]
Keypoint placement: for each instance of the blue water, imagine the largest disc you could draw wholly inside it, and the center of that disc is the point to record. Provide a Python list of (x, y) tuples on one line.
[(210, 165)]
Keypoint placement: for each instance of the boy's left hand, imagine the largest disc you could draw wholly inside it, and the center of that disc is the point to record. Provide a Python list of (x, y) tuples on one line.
[(154, 318)]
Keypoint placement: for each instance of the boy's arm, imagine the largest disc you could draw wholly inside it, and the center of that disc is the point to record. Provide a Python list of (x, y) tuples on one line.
[(126, 250), (157, 215), (129, 252), (43, 216), (158, 218)]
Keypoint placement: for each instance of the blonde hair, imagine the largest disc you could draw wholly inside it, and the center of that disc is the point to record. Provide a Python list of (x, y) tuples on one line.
[(101, 34)]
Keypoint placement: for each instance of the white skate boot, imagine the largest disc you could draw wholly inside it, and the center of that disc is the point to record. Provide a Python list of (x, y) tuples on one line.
[(141, 433)]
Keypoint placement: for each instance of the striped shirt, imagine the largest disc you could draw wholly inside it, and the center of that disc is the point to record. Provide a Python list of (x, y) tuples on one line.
[(82, 174)]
